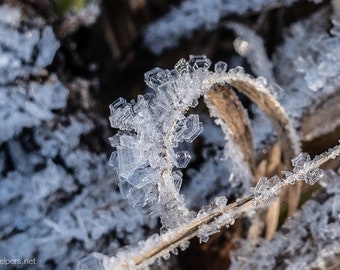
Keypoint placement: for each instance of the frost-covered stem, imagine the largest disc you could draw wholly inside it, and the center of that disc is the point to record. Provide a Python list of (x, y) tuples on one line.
[(260, 95), (177, 208), (316, 163), (224, 104), (190, 230), (151, 129), (174, 238), (304, 170), (148, 254)]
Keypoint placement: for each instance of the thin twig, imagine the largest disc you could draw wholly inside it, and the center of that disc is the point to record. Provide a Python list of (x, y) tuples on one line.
[(173, 238)]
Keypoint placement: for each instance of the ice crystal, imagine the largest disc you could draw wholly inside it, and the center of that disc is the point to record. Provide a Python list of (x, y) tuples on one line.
[(251, 46), (192, 15), (220, 67), (20, 40), (310, 55), (147, 145), (153, 126), (91, 262), (301, 162), (56, 200), (87, 217), (267, 188), (304, 169), (225, 219), (26, 47)]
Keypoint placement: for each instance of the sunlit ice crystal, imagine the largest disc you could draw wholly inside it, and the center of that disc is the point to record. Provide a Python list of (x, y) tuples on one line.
[(221, 201), (113, 161), (199, 62), (195, 128), (136, 196), (262, 81), (177, 178), (174, 251), (128, 161), (182, 159), (189, 91), (156, 77), (169, 122), (274, 185), (313, 176), (299, 163), (182, 66), (226, 219), (142, 196), (260, 192), (121, 115), (143, 176), (169, 89), (266, 188), (118, 103), (124, 187), (160, 107), (288, 177), (166, 255), (301, 160), (188, 129), (129, 141), (115, 139), (205, 230), (156, 159), (220, 67), (203, 233), (184, 245), (145, 124), (142, 109)]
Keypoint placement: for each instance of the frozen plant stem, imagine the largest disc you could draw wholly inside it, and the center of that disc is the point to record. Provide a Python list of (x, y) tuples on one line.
[(147, 159), (148, 254), (304, 169), (190, 230), (174, 238), (146, 156)]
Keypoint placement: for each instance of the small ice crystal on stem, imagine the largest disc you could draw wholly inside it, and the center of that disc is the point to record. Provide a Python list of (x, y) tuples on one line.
[(267, 188), (304, 169), (301, 163), (220, 67)]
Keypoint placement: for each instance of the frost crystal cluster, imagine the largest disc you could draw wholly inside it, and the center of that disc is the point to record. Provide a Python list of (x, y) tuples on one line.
[(26, 46), (147, 153), (307, 64), (151, 129), (304, 169)]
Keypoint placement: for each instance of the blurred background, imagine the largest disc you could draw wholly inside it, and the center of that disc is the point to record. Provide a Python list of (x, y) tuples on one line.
[(62, 62)]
